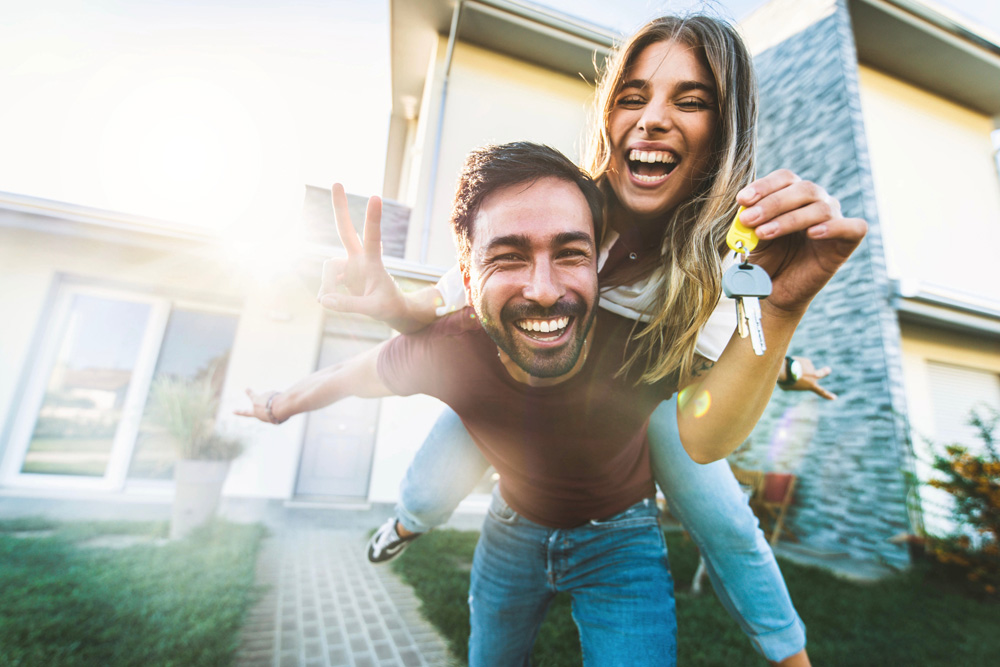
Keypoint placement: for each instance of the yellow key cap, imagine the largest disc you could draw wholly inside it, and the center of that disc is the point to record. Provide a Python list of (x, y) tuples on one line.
[(740, 233)]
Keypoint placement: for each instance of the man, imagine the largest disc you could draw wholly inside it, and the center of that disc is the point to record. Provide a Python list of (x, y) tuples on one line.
[(532, 371), (534, 375)]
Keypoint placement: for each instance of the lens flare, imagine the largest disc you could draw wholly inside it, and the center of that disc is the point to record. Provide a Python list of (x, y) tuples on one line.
[(700, 402)]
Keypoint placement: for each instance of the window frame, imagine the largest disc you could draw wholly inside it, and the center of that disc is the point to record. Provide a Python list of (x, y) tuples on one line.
[(51, 334)]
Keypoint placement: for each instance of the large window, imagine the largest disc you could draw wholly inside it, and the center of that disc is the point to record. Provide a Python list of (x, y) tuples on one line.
[(81, 421)]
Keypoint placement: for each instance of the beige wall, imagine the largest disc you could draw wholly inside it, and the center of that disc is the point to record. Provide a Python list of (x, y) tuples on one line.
[(937, 186), (925, 344), (491, 98)]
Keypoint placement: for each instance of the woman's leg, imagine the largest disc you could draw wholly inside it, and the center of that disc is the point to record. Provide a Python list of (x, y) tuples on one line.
[(445, 470), (709, 502)]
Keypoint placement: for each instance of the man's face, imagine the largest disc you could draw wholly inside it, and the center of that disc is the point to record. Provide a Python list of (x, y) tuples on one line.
[(532, 274)]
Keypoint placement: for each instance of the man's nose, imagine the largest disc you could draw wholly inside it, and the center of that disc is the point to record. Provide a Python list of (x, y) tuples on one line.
[(544, 288)]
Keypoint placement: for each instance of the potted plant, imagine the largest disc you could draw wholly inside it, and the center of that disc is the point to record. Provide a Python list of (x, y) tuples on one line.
[(185, 410)]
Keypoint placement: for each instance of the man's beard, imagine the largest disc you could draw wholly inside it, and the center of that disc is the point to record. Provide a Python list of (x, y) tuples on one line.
[(548, 362)]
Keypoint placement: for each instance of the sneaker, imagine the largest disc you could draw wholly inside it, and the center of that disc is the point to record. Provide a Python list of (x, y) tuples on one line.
[(386, 543)]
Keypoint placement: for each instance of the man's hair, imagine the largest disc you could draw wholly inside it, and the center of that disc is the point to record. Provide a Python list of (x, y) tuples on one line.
[(493, 167)]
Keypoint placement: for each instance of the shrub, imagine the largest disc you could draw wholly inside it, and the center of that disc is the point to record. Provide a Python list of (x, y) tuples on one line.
[(973, 481), (186, 410)]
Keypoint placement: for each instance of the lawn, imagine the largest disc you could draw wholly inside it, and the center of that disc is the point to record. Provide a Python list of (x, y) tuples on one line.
[(915, 618), (68, 598)]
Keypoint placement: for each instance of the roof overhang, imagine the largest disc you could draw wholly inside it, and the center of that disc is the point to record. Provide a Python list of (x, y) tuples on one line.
[(938, 308), (913, 42), (528, 32)]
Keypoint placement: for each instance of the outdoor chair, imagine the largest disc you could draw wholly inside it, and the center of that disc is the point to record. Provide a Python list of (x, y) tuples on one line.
[(772, 503)]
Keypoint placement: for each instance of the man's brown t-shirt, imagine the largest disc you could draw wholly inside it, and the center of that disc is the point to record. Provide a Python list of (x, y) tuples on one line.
[(566, 453)]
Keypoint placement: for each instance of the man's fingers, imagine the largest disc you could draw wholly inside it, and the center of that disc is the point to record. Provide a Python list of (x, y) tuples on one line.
[(333, 275), (823, 372), (373, 230), (244, 413), (345, 303), (341, 213)]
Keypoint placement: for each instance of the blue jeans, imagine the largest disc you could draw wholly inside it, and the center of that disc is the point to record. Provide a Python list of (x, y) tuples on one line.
[(614, 569), (706, 498)]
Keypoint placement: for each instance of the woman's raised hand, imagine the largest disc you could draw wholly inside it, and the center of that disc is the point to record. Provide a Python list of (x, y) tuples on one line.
[(804, 237), (370, 290)]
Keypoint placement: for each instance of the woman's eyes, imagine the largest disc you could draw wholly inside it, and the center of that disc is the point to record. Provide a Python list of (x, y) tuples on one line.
[(693, 104), (684, 104)]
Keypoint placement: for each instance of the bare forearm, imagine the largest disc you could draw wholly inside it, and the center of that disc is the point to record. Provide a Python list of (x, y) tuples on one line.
[(719, 408), (357, 376)]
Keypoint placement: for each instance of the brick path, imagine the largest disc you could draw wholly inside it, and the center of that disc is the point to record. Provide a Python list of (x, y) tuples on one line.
[(326, 605)]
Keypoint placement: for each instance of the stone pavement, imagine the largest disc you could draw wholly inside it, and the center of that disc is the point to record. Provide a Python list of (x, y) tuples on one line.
[(326, 605)]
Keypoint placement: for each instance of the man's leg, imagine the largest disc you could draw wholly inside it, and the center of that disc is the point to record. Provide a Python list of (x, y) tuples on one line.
[(509, 592), (623, 595), (709, 502)]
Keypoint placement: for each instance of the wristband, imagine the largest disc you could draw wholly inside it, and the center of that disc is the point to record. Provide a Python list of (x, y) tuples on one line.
[(270, 413), (793, 373)]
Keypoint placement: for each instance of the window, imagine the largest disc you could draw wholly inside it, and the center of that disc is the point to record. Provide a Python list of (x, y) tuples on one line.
[(81, 419)]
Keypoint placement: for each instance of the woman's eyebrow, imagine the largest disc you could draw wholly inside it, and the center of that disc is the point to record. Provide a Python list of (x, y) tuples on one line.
[(680, 86)]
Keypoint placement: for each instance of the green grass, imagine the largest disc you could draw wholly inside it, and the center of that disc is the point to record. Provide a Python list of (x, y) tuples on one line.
[(181, 603), (915, 618)]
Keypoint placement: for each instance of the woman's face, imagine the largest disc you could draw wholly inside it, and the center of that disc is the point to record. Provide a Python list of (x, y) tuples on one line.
[(661, 125)]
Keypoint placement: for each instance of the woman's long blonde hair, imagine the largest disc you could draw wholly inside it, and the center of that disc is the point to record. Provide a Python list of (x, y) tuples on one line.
[(694, 233)]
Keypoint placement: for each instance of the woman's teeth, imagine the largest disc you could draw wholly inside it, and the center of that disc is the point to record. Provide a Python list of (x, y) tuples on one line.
[(544, 326), (651, 166), (636, 155)]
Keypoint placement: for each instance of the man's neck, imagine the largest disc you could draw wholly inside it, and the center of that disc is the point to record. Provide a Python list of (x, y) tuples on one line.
[(524, 377)]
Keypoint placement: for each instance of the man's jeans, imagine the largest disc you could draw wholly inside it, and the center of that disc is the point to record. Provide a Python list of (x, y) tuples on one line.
[(614, 569), (706, 498)]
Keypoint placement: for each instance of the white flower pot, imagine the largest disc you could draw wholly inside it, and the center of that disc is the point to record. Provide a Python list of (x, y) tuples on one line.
[(198, 486)]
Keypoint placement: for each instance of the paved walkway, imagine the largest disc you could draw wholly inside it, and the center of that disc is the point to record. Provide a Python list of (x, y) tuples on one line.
[(326, 605)]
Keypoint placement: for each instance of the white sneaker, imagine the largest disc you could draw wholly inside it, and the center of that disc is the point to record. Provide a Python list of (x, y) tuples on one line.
[(386, 543)]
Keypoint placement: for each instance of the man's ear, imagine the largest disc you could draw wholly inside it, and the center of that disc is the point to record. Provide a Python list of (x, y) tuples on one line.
[(467, 281)]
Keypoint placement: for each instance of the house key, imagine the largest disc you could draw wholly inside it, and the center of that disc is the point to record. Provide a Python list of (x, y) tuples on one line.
[(748, 284)]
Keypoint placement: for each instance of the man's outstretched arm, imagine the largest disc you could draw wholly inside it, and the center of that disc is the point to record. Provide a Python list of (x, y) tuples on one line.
[(357, 376)]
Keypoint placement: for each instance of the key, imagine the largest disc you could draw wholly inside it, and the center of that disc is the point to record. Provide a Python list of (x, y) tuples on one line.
[(748, 284)]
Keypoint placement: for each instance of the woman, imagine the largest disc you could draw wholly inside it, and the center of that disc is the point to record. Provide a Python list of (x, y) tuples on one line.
[(673, 149)]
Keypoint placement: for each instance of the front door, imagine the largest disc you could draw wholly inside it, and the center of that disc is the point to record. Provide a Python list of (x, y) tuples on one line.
[(340, 439)]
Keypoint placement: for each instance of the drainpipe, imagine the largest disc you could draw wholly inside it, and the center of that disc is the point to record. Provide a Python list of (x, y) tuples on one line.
[(425, 240)]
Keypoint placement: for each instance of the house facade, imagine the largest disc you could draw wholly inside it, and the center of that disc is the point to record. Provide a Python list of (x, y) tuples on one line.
[(888, 104)]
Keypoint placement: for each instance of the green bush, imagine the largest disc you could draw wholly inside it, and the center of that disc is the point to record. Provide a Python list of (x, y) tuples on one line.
[(973, 481)]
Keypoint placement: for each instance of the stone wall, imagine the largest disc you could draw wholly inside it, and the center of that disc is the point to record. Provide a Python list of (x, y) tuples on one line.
[(850, 454)]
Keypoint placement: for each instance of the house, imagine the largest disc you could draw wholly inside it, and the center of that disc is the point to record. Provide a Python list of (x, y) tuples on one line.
[(887, 103)]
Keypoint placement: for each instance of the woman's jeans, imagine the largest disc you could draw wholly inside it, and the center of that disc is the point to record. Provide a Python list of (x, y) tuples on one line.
[(615, 571), (706, 498)]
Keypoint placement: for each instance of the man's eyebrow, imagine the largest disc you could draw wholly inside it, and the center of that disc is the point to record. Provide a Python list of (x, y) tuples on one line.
[(574, 237), (522, 241), (680, 86), (510, 240)]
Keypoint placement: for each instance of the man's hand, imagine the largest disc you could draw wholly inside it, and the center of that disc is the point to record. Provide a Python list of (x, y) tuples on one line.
[(804, 239), (258, 408), (370, 289), (809, 380)]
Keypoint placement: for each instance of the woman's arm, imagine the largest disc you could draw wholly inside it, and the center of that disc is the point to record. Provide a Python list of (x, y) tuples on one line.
[(358, 376), (804, 242)]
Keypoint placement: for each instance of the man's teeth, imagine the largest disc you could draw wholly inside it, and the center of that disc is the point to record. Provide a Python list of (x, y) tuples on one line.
[(636, 155), (544, 326)]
